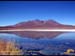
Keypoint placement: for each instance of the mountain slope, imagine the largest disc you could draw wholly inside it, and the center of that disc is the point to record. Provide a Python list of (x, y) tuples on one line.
[(39, 24)]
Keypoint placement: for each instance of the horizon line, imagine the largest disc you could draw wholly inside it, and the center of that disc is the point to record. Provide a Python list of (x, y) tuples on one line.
[(41, 30)]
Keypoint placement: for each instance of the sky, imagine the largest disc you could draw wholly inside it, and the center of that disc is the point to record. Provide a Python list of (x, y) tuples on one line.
[(12, 12)]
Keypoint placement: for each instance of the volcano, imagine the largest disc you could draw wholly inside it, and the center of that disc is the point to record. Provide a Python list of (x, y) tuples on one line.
[(38, 24)]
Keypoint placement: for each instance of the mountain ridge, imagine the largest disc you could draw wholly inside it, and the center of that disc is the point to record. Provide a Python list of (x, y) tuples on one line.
[(39, 24)]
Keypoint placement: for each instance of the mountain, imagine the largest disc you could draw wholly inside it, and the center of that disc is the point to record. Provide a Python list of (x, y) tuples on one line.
[(39, 24), (36, 24)]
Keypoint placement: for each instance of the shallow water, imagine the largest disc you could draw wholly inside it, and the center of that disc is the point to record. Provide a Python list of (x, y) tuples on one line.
[(60, 43)]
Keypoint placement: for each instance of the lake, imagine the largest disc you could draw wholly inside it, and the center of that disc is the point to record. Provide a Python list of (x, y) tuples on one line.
[(45, 45)]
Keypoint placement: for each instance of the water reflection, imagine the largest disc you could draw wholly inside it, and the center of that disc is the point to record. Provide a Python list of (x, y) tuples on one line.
[(44, 42), (36, 35)]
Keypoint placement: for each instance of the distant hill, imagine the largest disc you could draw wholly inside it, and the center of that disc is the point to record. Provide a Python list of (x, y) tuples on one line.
[(39, 24)]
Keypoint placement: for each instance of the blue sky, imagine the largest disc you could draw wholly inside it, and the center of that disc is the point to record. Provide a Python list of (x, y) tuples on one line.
[(13, 12)]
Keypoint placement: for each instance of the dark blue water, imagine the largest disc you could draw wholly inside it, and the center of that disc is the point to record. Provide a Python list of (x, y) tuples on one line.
[(60, 43)]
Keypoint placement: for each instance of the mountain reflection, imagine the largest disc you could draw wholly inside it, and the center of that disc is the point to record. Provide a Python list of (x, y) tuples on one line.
[(50, 42), (36, 35)]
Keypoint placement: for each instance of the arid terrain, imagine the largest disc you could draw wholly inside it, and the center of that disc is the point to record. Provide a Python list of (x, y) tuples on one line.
[(38, 24)]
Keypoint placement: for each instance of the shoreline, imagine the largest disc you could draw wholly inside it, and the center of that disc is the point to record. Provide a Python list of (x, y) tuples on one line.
[(41, 30)]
